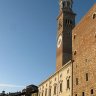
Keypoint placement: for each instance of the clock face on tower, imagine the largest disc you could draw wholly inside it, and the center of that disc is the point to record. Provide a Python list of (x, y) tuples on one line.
[(59, 41)]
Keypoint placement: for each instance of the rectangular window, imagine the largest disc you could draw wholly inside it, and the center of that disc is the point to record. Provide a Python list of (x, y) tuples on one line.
[(45, 92), (55, 90), (83, 94), (42, 93), (39, 94), (68, 84), (50, 92), (86, 76), (76, 81), (60, 87), (92, 91)]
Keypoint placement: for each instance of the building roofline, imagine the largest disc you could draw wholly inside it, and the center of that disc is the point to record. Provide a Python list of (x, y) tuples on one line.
[(55, 73), (83, 18)]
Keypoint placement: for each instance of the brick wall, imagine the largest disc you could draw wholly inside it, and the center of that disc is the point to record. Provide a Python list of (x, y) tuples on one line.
[(84, 55)]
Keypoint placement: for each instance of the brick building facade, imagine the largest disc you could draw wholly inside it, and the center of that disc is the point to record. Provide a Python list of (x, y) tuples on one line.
[(84, 55)]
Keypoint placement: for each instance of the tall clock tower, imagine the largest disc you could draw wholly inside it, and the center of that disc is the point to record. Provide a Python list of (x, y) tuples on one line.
[(66, 22)]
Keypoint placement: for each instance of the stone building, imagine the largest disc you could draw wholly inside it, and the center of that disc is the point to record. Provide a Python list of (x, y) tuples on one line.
[(58, 84), (30, 90)]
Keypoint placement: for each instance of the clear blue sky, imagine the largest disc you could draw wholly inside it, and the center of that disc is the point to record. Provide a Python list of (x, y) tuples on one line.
[(28, 40)]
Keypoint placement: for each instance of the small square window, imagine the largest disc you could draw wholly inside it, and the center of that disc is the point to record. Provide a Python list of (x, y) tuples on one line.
[(94, 15), (92, 91), (86, 76), (95, 34), (76, 81), (86, 60), (74, 36), (75, 52), (83, 94)]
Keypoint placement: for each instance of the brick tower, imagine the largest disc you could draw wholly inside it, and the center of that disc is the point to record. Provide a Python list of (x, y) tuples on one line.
[(66, 22)]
